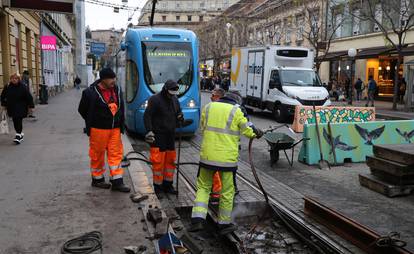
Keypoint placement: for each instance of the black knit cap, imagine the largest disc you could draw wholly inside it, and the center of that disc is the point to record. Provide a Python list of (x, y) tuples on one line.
[(170, 84), (107, 73)]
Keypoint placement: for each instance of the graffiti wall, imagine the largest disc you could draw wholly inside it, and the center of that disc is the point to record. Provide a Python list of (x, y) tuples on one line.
[(353, 141), (304, 115)]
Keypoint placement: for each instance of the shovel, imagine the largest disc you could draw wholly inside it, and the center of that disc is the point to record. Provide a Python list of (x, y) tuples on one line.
[(323, 164)]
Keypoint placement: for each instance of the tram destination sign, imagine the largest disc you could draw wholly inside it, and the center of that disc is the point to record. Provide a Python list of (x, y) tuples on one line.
[(63, 6)]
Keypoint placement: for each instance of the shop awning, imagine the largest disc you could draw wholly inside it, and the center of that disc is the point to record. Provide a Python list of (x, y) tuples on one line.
[(332, 56), (372, 52)]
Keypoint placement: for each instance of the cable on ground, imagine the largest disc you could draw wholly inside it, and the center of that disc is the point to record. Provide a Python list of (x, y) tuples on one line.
[(84, 244)]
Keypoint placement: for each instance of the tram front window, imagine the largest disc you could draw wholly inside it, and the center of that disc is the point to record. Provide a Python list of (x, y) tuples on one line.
[(167, 60)]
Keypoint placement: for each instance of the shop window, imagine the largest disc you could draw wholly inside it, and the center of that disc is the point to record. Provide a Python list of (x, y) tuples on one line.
[(177, 18), (164, 18), (201, 18), (189, 18), (131, 82)]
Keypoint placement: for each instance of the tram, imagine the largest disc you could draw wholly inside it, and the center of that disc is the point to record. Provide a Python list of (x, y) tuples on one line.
[(154, 55)]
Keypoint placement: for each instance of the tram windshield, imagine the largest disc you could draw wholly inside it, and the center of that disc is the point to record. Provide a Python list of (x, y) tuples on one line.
[(167, 60)]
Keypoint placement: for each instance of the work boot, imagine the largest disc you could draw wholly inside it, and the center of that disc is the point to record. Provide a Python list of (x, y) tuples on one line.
[(118, 185), (197, 224), (100, 183), (157, 189), (168, 187), (225, 229)]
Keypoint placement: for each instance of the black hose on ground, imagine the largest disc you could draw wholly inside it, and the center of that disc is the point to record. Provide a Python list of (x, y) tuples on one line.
[(84, 244)]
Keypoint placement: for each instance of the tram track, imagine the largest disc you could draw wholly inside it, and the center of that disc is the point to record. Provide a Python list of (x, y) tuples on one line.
[(308, 233)]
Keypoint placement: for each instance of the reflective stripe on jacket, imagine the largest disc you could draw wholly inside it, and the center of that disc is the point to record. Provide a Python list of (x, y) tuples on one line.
[(222, 124)]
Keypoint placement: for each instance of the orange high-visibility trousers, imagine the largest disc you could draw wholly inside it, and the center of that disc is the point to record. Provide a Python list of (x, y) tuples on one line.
[(216, 190), (163, 165), (109, 141)]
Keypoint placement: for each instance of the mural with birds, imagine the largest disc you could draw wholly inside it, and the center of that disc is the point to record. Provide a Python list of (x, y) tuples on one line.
[(405, 134), (337, 143), (369, 136)]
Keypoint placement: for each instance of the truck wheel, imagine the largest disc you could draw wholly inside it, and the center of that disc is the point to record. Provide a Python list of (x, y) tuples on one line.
[(280, 113)]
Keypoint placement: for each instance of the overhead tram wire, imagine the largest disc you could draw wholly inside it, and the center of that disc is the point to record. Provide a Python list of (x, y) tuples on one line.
[(111, 5)]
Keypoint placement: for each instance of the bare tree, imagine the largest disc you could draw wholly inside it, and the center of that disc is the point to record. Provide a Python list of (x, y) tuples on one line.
[(318, 30)]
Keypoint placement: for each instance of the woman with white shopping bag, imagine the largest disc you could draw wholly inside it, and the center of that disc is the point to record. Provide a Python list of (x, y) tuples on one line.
[(18, 102)]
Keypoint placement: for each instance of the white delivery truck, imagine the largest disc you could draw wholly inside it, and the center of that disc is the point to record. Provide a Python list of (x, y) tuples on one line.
[(277, 79)]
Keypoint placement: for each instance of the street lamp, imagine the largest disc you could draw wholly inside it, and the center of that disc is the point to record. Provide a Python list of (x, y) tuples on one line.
[(352, 52)]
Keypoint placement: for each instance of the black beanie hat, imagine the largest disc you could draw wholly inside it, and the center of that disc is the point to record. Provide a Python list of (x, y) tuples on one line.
[(170, 84), (106, 73)]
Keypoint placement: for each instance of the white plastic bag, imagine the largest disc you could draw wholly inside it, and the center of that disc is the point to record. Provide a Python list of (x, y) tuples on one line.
[(4, 123)]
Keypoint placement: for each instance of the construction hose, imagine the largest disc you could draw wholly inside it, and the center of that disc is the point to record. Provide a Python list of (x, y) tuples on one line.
[(84, 244), (256, 177)]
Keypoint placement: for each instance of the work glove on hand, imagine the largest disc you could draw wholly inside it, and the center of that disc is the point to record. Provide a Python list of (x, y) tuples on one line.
[(259, 133), (150, 137), (180, 117)]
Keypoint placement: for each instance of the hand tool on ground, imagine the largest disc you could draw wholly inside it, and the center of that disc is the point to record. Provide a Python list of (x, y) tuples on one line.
[(332, 143), (323, 164)]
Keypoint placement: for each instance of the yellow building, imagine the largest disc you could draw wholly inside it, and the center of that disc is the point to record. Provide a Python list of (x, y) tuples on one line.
[(19, 37)]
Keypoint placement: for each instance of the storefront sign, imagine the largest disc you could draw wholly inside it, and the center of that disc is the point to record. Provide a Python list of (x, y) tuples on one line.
[(48, 42), (98, 48), (64, 6)]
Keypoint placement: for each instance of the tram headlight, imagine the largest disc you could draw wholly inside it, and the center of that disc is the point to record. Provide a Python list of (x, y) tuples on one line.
[(191, 104), (144, 105)]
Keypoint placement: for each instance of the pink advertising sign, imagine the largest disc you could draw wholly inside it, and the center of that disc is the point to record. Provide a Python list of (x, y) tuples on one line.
[(48, 42)]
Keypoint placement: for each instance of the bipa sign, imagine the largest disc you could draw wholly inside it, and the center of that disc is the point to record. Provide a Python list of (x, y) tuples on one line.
[(48, 42)]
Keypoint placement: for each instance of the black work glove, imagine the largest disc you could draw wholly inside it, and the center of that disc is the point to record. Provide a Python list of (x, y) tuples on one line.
[(150, 137), (187, 122), (180, 117), (259, 133)]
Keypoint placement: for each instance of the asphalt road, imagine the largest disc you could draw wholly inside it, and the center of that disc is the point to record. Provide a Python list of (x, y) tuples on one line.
[(338, 188)]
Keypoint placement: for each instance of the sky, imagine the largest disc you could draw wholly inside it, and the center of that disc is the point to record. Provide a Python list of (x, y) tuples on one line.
[(102, 17)]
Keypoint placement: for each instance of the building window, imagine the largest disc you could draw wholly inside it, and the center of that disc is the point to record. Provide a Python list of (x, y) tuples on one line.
[(378, 17), (300, 28), (202, 5), (189, 18), (277, 37), (288, 36), (337, 26), (164, 5), (177, 18), (201, 18), (164, 18), (178, 5), (355, 22)]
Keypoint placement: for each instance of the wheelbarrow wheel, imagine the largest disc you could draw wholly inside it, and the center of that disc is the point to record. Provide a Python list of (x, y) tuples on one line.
[(274, 156)]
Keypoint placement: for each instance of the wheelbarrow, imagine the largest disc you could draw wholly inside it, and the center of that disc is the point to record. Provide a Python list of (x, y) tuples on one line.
[(280, 141)]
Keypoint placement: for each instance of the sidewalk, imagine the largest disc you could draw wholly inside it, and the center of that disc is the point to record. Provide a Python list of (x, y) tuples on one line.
[(383, 109), (45, 193)]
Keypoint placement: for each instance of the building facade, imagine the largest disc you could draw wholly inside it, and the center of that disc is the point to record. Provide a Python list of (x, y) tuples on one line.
[(183, 13), (19, 36), (375, 55)]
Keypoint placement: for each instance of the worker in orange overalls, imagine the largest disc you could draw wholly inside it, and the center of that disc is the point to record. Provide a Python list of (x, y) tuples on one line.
[(162, 116), (102, 108), (216, 95)]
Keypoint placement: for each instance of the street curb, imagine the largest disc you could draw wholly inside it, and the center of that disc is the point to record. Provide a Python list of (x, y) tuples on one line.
[(141, 184)]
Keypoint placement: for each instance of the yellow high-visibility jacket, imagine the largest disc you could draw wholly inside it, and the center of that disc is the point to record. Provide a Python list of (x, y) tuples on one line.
[(221, 124)]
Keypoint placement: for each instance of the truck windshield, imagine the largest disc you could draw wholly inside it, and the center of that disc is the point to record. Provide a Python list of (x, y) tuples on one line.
[(167, 60), (300, 78)]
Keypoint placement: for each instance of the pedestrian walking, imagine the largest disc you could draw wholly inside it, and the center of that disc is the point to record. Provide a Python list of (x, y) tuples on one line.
[(359, 87), (77, 82), (102, 108), (28, 83), (402, 87), (372, 89), (17, 100), (162, 116), (222, 123)]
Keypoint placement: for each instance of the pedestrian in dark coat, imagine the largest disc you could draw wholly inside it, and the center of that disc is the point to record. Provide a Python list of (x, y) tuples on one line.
[(19, 102)]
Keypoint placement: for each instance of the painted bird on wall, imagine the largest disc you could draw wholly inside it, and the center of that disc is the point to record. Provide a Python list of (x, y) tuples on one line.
[(405, 134), (337, 143), (369, 136)]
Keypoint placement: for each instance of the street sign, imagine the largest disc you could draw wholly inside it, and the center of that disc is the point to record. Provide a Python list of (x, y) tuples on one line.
[(98, 48), (64, 6)]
